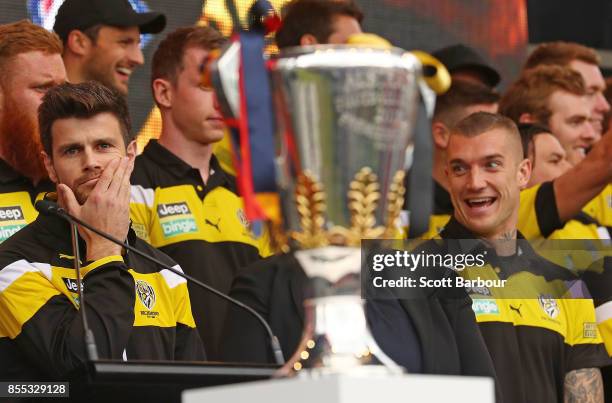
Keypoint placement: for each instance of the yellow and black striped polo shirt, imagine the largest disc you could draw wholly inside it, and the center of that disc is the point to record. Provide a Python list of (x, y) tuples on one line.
[(135, 309), (538, 327), (17, 198), (201, 226)]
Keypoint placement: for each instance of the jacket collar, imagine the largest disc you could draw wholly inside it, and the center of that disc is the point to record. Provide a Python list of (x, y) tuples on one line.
[(54, 232)]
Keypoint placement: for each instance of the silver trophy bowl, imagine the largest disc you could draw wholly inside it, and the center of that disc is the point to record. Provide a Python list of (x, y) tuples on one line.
[(345, 117)]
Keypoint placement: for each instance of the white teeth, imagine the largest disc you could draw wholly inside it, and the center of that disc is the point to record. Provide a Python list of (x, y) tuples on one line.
[(482, 200), (124, 70)]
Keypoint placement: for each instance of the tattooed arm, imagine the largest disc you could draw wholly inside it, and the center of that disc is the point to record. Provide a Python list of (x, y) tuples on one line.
[(584, 386)]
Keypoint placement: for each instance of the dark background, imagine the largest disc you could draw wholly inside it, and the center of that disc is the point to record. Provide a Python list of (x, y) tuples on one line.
[(497, 28)]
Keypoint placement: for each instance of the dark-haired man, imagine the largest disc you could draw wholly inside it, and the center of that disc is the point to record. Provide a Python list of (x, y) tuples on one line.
[(183, 202), (31, 63), (135, 309), (312, 22), (541, 336), (102, 40)]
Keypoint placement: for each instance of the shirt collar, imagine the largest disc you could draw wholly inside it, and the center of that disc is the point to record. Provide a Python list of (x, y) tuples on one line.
[(179, 168)]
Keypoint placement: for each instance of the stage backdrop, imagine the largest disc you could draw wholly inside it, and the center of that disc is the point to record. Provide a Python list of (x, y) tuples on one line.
[(497, 28)]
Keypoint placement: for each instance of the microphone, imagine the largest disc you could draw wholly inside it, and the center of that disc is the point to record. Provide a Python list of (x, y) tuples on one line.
[(47, 207), (90, 341)]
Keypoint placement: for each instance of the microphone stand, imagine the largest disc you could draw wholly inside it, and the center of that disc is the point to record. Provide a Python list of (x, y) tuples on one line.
[(48, 207), (90, 342)]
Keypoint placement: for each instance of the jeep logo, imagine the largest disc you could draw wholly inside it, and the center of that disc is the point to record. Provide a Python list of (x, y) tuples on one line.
[(11, 213), (71, 284), (164, 210)]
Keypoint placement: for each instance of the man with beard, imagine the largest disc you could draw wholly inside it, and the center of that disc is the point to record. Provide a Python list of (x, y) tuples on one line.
[(31, 63), (102, 40), (136, 309)]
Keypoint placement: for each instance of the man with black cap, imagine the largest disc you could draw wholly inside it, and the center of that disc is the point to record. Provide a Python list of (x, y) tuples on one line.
[(464, 63), (102, 40)]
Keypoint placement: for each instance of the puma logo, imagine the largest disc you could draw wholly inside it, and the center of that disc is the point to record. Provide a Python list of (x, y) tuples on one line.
[(207, 221), (518, 310)]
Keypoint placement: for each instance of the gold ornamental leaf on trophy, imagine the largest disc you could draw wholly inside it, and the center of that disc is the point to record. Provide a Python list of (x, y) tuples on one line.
[(311, 207), (395, 199), (363, 196)]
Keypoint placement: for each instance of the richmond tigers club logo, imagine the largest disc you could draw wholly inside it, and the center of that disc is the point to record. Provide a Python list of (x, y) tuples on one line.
[(549, 305), (146, 294)]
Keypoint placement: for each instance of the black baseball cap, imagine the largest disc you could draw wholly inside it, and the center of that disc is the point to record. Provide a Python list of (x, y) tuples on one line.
[(462, 57), (82, 14)]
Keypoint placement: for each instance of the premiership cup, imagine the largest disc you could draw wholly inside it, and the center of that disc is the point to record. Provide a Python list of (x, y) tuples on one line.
[(345, 116)]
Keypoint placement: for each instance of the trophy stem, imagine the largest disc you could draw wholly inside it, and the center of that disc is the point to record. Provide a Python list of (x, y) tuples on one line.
[(338, 340)]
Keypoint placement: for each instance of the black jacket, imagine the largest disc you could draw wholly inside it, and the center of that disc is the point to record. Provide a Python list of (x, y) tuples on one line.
[(449, 337), (135, 309)]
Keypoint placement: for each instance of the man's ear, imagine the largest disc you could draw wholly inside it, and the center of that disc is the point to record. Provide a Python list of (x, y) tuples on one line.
[(440, 134), (78, 43), (162, 92), (308, 39), (49, 166), (527, 118), (524, 173), (132, 149)]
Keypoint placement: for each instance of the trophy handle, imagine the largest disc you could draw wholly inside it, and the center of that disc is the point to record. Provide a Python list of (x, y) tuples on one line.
[(435, 73)]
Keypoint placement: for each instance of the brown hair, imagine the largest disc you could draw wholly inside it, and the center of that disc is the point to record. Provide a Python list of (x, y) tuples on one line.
[(531, 92), (83, 101), (314, 17), (528, 132), (168, 58), (561, 54), (482, 122), (22, 37), (462, 94)]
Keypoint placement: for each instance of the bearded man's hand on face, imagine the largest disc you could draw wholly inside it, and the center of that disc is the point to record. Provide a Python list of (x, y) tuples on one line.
[(107, 208)]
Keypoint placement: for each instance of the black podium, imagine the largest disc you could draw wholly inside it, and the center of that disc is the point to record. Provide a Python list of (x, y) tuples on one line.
[(141, 381)]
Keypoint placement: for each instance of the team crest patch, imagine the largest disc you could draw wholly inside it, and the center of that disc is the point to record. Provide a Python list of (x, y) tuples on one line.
[(589, 330), (549, 306), (145, 293), (243, 218), (255, 228)]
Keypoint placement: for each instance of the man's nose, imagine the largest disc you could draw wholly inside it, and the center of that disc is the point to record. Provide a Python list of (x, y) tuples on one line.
[(135, 55), (589, 134), (90, 160), (601, 103), (476, 179)]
